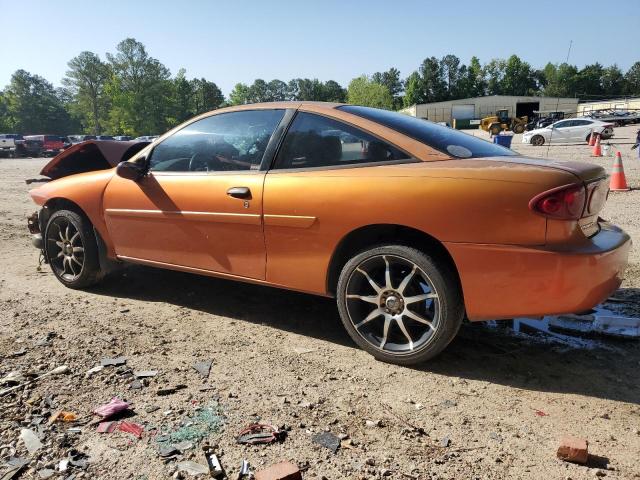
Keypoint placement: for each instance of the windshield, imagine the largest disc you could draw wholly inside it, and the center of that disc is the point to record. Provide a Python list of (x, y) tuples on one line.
[(445, 139)]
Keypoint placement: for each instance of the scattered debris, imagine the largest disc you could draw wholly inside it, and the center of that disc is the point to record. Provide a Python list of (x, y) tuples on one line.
[(151, 408), (196, 427), (136, 385), (192, 468), (602, 321), (373, 423), (146, 373), (260, 433), (56, 371), (573, 449), (46, 473), (114, 406), (30, 440), (62, 416), (113, 362), (106, 427), (203, 367), (445, 442), (496, 437), (280, 471), (302, 350), (13, 378), (245, 471), (540, 413), (327, 440), (169, 390), (77, 459), (132, 428), (414, 428), (448, 404), (215, 468), (96, 369)]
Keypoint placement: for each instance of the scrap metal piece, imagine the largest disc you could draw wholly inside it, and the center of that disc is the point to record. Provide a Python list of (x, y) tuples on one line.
[(215, 468), (327, 440), (203, 367), (260, 433), (30, 440), (113, 362), (244, 470)]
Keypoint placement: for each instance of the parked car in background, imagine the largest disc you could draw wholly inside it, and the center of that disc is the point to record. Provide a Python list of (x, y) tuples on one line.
[(80, 138), (122, 138), (51, 144), (66, 143), (412, 228), (104, 137), (572, 130), (8, 144), (146, 138)]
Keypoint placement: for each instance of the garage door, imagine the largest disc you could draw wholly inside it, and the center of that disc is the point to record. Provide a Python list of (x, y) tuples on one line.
[(463, 112)]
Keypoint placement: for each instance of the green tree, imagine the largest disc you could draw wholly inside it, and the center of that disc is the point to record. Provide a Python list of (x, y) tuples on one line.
[(140, 91), (183, 101), (86, 80), (32, 105), (613, 82), (206, 96), (632, 80), (518, 78), (589, 80), (562, 80), (258, 92), (333, 92), (413, 90), (494, 72), (391, 80), (434, 88), (366, 92), (277, 91), (239, 95), (450, 68)]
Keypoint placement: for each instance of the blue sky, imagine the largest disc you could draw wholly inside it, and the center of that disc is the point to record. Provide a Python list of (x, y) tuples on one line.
[(238, 41)]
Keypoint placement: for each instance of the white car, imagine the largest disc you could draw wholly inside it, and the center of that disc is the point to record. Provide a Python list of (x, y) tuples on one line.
[(571, 130)]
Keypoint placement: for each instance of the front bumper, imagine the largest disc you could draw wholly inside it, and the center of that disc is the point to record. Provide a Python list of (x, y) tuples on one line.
[(500, 281)]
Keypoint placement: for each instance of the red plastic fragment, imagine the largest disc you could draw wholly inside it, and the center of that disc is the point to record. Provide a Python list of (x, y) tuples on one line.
[(106, 427), (132, 428)]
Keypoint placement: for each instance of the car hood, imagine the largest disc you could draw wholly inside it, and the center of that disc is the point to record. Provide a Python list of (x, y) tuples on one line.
[(89, 156), (539, 131)]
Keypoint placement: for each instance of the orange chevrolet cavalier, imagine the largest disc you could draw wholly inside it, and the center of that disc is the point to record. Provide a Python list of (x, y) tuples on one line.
[(410, 225)]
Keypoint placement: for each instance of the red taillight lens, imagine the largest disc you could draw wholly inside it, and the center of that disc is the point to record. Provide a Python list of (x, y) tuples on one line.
[(565, 203)]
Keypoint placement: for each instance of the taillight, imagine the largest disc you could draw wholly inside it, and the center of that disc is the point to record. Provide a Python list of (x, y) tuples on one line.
[(565, 203)]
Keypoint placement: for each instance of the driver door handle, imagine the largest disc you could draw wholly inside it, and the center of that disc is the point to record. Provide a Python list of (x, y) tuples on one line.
[(239, 192)]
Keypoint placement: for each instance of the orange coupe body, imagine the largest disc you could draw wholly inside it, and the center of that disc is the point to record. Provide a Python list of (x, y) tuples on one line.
[(286, 194)]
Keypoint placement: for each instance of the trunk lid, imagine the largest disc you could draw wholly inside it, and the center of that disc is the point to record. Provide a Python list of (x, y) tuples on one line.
[(586, 172)]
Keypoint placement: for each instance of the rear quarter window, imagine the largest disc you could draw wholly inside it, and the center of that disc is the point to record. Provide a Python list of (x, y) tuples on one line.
[(444, 139)]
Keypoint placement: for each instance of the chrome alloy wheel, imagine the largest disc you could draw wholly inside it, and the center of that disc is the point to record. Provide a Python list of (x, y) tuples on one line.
[(65, 249), (406, 308)]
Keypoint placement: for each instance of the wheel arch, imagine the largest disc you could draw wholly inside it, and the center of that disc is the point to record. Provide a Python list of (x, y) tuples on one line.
[(61, 203), (377, 234)]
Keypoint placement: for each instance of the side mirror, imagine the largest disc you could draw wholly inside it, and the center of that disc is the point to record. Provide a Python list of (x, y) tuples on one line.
[(130, 170)]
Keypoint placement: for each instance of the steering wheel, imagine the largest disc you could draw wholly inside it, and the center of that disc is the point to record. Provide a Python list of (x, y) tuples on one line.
[(199, 160)]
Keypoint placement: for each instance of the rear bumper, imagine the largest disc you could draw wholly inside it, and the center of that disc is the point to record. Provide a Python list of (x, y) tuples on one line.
[(509, 281)]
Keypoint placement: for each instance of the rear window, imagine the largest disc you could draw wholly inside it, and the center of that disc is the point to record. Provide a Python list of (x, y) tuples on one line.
[(444, 139)]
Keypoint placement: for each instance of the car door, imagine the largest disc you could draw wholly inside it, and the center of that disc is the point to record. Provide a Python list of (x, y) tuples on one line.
[(307, 191), (560, 132), (581, 130), (200, 205)]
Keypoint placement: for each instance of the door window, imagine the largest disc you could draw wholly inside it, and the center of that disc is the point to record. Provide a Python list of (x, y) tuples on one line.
[(224, 142), (563, 124), (317, 141)]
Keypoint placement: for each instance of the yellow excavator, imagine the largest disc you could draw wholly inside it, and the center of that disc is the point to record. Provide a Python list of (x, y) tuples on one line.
[(502, 121)]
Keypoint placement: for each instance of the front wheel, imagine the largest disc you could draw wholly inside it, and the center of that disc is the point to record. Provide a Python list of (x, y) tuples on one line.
[(398, 304), (537, 140), (71, 249)]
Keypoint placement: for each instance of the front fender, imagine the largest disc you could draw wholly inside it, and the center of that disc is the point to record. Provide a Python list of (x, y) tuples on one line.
[(86, 191)]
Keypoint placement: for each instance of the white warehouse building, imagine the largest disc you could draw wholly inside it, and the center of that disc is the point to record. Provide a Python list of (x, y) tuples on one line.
[(479, 107)]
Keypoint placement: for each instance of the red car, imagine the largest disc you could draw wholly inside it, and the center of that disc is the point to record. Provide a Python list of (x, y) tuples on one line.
[(51, 144)]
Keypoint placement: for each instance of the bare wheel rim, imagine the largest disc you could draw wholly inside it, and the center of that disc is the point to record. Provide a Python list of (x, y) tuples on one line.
[(65, 249), (393, 304)]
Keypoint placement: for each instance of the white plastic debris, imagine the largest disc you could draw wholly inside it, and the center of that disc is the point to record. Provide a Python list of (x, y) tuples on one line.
[(30, 440)]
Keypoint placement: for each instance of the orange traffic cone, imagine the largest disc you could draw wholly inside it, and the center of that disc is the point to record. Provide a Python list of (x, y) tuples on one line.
[(597, 151), (592, 138), (618, 181)]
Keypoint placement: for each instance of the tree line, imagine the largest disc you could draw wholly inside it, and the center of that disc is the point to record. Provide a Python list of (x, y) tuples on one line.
[(132, 93)]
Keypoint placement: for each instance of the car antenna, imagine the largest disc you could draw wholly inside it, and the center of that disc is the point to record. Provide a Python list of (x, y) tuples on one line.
[(558, 101)]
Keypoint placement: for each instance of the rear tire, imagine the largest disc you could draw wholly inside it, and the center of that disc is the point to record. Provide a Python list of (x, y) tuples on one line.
[(399, 304), (537, 140), (518, 129), (71, 249)]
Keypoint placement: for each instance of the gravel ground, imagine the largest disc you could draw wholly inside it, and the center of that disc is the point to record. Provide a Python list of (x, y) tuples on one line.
[(492, 406)]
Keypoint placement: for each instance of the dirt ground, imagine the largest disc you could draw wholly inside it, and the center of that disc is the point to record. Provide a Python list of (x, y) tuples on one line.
[(492, 406)]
